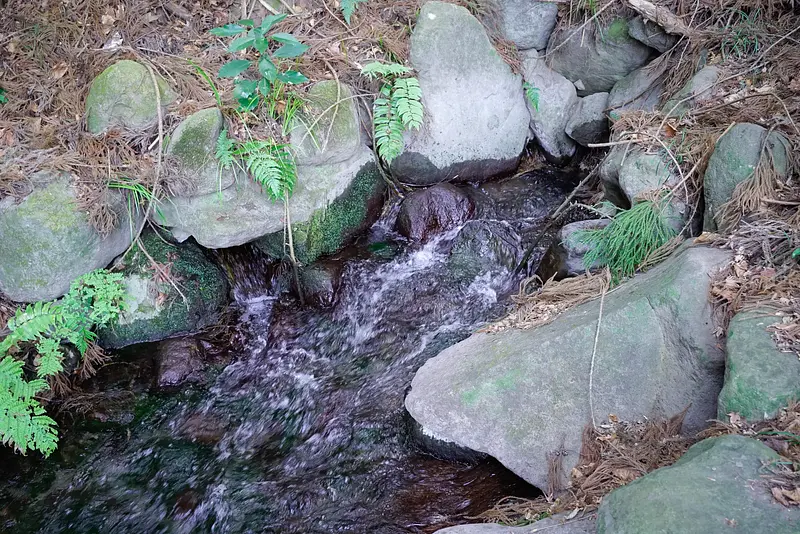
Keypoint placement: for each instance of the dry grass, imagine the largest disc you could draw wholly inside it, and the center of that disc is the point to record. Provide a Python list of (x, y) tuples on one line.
[(618, 453)]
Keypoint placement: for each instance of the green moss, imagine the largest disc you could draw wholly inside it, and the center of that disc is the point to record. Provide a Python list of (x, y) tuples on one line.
[(617, 31), (329, 229), (195, 137)]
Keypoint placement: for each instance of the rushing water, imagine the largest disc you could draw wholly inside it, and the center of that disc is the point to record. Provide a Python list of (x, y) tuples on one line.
[(304, 432)]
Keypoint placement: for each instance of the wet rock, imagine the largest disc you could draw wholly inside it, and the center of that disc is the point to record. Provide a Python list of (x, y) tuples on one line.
[(528, 24), (426, 213), (338, 192), (550, 112), (565, 256), (733, 161), (697, 90), (600, 59), (320, 282), (123, 96), (179, 362), (558, 524), (203, 428), (639, 90), (484, 247), (471, 393), (476, 122), (46, 241), (651, 34), (192, 145), (588, 122), (155, 309), (759, 379), (716, 487)]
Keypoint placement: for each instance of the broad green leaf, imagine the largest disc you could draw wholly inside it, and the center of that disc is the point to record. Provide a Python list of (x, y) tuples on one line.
[(267, 68), (268, 22), (261, 44), (285, 38), (290, 50), (264, 86), (234, 68), (229, 30), (247, 22), (292, 76), (245, 92), (240, 43)]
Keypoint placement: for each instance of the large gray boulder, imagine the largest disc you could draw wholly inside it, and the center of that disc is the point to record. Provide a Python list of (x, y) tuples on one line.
[(733, 161), (651, 34), (588, 122), (528, 24), (639, 90), (698, 90), (759, 379), (124, 96), (476, 122), (47, 241), (551, 109), (717, 487), (338, 186), (519, 395), (599, 59), (557, 524)]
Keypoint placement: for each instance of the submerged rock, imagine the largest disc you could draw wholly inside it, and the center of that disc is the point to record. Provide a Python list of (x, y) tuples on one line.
[(555, 99), (338, 192), (123, 96), (759, 379), (179, 362), (484, 246), (320, 282), (526, 23), (588, 122), (428, 212), (476, 122), (155, 309), (733, 161), (519, 395), (46, 241), (716, 487), (598, 60)]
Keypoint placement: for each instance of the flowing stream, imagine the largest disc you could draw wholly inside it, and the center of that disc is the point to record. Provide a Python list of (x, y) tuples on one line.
[(304, 431)]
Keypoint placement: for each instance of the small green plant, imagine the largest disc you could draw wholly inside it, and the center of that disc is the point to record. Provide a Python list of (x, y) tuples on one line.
[(138, 196), (3, 97), (270, 64), (398, 107), (94, 300), (742, 38), (349, 7), (532, 93), (628, 240)]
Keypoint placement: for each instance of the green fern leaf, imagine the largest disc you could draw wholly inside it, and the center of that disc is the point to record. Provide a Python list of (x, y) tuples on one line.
[(271, 166), (376, 70), (49, 358), (407, 100), (224, 150), (23, 423), (532, 93), (349, 7), (388, 127)]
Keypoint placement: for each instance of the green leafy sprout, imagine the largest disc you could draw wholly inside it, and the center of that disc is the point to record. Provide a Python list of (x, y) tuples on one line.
[(397, 109), (94, 300), (3, 97), (349, 7), (532, 94), (249, 93), (628, 240)]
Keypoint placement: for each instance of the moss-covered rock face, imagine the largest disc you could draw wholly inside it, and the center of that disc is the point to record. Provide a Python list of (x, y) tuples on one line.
[(155, 309), (123, 96), (338, 189), (46, 241), (734, 160), (192, 145), (759, 379), (717, 486)]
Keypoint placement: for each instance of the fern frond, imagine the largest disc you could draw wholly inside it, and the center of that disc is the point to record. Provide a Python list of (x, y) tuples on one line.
[(224, 150), (271, 165), (532, 94), (388, 126), (49, 361), (407, 100), (376, 70), (349, 7), (23, 423)]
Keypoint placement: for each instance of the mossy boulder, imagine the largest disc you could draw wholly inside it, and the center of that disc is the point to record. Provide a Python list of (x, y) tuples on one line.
[(717, 487), (337, 192), (47, 241), (155, 309), (759, 379), (600, 59), (519, 395), (733, 161), (192, 146), (123, 96)]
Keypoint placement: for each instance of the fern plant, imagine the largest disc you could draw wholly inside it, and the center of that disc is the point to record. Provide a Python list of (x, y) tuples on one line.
[(271, 165), (94, 300), (532, 94), (397, 109), (349, 7), (628, 240)]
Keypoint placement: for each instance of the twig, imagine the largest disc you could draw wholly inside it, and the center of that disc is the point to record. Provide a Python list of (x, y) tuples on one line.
[(594, 352), (661, 16), (163, 272)]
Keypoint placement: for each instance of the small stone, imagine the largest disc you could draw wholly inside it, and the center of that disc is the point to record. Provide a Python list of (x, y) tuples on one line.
[(698, 90), (429, 212), (651, 34), (588, 122), (638, 91), (320, 282), (179, 362), (565, 256), (528, 24)]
